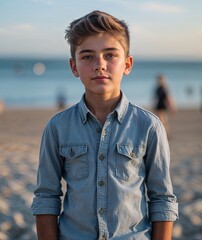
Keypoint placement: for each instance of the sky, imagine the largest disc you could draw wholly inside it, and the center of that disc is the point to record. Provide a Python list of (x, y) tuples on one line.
[(168, 29)]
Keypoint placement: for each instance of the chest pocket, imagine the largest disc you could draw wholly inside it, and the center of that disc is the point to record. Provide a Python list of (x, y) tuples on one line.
[(76, 162), (128, 161)]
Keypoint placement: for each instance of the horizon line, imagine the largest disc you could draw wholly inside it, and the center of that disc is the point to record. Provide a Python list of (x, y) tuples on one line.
[(136, 57)]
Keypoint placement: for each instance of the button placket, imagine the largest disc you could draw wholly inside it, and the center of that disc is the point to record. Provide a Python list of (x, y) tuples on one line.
[(102, 180), (98, 131)]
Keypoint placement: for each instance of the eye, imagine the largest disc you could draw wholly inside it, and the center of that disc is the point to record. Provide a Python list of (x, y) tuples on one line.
[(110, 56), (87, 57)]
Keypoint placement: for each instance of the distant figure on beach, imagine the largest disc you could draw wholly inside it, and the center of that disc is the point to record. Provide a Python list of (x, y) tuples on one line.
[(61, 100), (112, 154), (164, 102)]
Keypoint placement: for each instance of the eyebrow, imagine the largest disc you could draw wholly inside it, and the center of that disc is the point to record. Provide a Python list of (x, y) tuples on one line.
[(104, 50)]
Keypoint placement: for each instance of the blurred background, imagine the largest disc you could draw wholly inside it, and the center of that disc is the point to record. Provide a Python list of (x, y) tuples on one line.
[(165, 38), (36, 81)]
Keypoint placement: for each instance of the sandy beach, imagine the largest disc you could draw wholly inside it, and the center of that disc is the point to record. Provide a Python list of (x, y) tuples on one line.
[(20, 134)]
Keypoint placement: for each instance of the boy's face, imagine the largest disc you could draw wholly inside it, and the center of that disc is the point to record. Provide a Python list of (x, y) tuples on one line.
[(100, 62)]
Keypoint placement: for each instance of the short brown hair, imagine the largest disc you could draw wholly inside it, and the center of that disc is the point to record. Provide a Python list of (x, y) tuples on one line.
[(94, 23)]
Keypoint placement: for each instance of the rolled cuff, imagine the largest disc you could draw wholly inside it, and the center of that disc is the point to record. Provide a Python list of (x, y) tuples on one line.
[(163, 212), (46, 206)]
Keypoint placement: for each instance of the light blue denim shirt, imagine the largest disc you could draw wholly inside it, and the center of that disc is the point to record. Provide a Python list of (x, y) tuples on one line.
[(117, 176)]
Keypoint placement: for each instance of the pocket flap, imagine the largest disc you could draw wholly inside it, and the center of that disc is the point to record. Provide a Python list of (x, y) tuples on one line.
[(73, 151), (131, 151)]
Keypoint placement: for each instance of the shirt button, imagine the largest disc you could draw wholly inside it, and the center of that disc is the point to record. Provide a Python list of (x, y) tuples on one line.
[(132, 154), (101, 211), (101, 183), (101, 157)]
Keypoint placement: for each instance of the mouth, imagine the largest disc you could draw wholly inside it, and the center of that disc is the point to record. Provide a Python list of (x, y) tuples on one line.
[(101, 78)]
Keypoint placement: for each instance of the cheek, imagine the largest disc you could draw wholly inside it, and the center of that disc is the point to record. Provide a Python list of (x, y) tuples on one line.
[(83, 69), (119, 67), (82, 73)]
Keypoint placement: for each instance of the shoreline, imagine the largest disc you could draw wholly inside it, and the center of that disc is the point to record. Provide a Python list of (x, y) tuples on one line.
[(50, 108)]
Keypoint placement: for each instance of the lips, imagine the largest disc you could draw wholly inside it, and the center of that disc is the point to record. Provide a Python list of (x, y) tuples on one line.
[(100, 78)]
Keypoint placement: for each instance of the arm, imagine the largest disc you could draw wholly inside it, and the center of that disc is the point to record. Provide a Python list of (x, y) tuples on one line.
[(162, 230), (162, 205), (46, 226), (46, 205)]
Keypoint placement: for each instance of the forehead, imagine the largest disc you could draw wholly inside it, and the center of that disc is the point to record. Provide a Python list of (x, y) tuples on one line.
[(100, 42)]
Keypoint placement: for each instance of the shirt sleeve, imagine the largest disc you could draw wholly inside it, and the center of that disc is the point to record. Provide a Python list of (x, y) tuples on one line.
[(48, 191), (162, 202)]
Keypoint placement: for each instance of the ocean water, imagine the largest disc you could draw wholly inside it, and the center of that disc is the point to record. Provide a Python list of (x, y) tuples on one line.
[(38, 82)]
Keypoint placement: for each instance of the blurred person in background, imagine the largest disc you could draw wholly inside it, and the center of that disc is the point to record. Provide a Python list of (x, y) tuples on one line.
[(164, 102), (61, 100)]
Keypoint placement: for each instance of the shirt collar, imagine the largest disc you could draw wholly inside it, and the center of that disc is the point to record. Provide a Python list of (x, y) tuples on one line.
[(84, 111), (120, 110)]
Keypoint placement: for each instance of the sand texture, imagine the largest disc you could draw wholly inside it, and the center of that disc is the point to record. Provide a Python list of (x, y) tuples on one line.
[(20, 134)]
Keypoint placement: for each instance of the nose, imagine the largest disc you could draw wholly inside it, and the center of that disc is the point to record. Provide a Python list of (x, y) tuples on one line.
[(100, 64)]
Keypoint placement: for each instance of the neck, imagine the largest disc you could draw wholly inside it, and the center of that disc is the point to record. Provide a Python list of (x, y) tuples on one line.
[(101, 107)]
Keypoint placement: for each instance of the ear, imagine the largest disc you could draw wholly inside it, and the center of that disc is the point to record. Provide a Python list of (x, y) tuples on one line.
[(129, 65), (72, 64)]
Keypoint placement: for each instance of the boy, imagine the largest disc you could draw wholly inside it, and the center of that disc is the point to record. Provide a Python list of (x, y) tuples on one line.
[(111, 153)]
